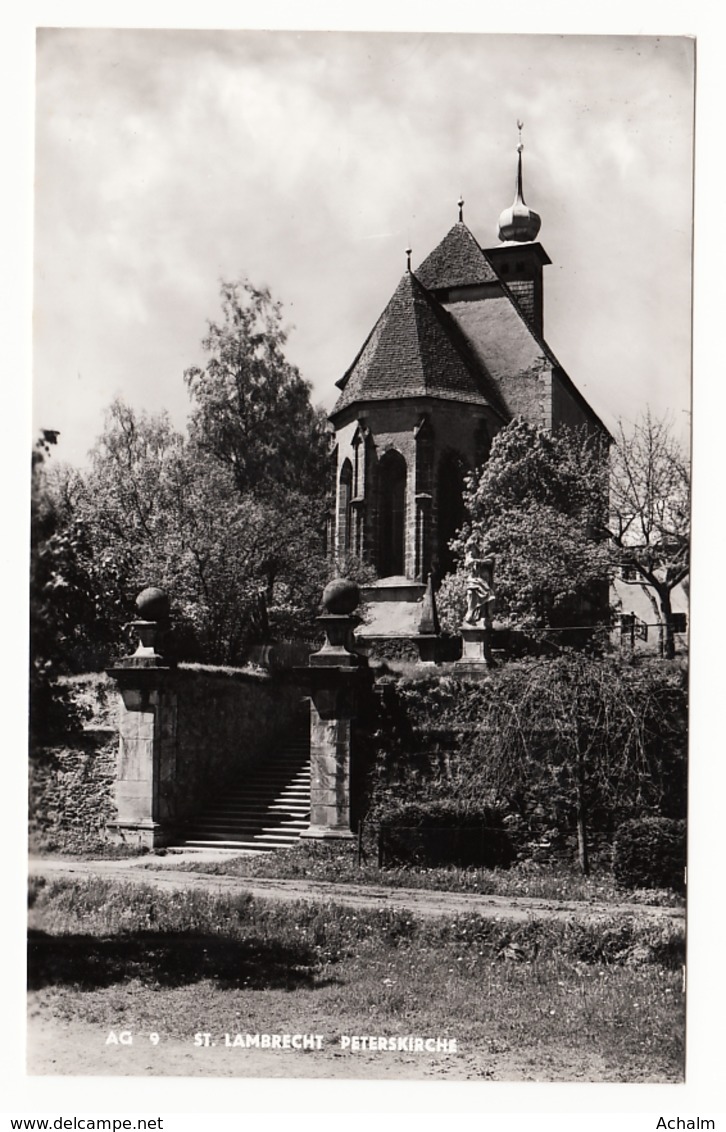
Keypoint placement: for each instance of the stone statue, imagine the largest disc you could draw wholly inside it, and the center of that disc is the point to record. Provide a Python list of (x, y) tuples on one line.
[(480, 595)]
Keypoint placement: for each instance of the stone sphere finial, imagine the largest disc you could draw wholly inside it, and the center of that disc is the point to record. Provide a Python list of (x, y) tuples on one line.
[(340, 597), (152, 604)]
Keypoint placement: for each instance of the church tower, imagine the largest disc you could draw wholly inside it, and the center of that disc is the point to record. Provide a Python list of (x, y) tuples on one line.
[(456, 354), (519, 260)]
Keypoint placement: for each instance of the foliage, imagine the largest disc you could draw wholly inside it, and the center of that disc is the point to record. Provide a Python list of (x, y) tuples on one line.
[(155, 509), (62, 595), (231, 522), (535, 506), (579, 743), (329, 932), (650, 852), (584, 738), (451, 601), (650, 503), (252, 408), (440, 831)]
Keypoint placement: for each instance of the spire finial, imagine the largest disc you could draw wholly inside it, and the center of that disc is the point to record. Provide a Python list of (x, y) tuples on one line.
[(408, 258), (519, 223), (460, 202)]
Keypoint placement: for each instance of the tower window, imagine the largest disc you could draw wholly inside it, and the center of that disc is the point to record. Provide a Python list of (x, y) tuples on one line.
[(391, 515), (344, 509)]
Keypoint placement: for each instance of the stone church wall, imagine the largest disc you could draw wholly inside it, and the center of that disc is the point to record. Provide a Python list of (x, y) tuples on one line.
[(454, 429)]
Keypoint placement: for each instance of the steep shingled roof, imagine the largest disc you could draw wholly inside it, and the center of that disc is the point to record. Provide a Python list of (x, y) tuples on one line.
[(500, 337), (457, 261), (416, 350)]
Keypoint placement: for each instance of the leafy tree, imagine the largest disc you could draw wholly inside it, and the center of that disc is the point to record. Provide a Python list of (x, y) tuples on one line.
[(575, 744), (252, 408), (536, 507), (61, 595), (230, 521), (160, 510), (650, 503), (586, 739), (237, 566)]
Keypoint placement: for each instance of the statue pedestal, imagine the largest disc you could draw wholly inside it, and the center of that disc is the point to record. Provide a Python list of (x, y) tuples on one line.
[(476, 655)]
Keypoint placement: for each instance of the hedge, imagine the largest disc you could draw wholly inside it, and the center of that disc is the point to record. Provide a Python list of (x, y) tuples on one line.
[(650, 853), (439, 832)]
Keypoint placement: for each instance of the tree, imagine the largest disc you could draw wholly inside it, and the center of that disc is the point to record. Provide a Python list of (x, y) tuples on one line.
[(650, 503), (60, 596), (536, 507), (252, 409), (157, 509), (585, 741)]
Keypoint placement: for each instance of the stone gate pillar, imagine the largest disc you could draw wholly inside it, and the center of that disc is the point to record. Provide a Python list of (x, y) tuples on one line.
[(336, 678), (147, 732)]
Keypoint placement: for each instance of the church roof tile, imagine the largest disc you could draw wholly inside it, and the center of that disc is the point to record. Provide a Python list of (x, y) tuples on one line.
[(416, 350), (457, 261)]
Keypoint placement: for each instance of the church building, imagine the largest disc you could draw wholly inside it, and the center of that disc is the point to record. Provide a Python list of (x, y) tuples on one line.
[(458, 351)]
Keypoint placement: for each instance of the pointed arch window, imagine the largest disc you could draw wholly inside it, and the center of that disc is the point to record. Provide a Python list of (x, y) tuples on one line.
[(451, 513), (391, 515), (345, 495)]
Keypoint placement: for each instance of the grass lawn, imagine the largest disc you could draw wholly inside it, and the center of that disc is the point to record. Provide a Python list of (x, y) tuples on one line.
[(339, 864), (598, 1000)]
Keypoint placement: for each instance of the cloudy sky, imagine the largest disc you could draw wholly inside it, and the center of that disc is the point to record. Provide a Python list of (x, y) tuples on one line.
[(168, 160)]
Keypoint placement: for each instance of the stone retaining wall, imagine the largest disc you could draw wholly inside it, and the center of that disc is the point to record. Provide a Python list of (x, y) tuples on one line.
[(216, 725), (72, 793)]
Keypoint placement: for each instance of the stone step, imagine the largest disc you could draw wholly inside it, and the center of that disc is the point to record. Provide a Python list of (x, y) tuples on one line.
[(276, 811), (262, 801), (263, 811), (263, 786), (274, 788), (249, 826), (229, 846), (268, 776), (255, 842)]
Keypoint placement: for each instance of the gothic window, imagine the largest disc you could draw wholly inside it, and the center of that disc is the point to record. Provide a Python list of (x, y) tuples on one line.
[(451, 513), (391, 515), (344, 510), (483, 442)]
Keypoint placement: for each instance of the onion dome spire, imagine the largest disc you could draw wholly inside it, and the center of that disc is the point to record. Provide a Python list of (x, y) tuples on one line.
[(518, 222)]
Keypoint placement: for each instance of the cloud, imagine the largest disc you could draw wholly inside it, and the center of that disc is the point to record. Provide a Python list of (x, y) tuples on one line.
[(169, 159)]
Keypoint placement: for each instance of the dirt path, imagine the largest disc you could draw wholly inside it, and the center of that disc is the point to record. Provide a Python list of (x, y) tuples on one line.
[(421, 902)]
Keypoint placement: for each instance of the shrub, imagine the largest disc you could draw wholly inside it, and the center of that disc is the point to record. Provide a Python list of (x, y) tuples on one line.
[(650, 853), (434, 832)]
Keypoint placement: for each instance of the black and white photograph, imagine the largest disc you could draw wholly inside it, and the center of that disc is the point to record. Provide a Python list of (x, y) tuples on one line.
[(360, 556)]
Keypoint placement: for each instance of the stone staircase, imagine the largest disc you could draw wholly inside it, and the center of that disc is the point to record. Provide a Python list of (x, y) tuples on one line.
[(266, 811)]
